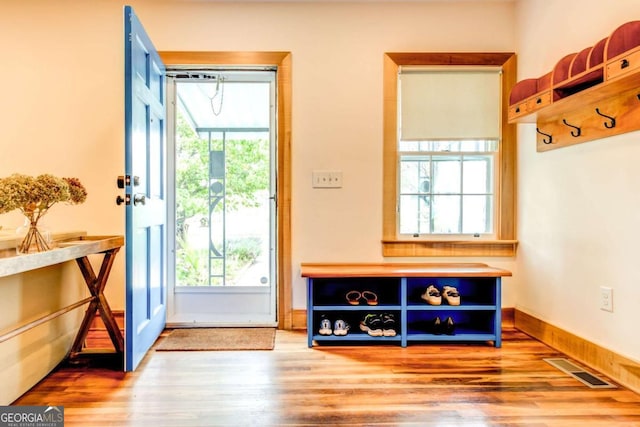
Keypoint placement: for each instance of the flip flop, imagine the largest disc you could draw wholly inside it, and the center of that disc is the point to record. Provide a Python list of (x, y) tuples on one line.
[(353, 297), (370, 297)]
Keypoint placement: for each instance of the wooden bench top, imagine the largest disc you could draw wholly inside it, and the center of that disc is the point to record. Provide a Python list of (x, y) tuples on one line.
[(320, 270)]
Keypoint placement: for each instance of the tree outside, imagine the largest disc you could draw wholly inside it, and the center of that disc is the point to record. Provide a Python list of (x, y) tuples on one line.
[(242, 186)]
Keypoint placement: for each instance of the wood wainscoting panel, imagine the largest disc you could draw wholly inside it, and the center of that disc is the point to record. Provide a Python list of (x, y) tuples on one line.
[(299, 319), (98, 324), (619, 368), (97, 338)]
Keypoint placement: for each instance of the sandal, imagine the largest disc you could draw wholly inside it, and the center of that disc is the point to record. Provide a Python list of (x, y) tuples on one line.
[(353, 297), (370, 297)]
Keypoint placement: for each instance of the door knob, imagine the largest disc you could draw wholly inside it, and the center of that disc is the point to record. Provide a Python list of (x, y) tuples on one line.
[(139, 199)]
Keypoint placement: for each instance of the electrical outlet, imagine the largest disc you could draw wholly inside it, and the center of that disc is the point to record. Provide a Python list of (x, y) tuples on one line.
[(606, 298), (326, 179)]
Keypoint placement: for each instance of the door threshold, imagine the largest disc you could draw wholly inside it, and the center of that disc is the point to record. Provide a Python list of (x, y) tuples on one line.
[(184, 325)]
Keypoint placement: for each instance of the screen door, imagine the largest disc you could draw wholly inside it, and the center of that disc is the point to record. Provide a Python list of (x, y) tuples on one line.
[(222, 146)]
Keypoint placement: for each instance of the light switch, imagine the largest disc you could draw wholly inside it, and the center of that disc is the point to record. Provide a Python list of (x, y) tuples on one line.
[(327, 179)]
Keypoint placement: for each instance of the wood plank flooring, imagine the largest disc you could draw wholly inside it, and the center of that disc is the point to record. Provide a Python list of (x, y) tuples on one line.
[(293, 385)]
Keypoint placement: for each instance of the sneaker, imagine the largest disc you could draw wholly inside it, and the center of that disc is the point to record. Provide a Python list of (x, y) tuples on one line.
[(340, 327), (325, 327), (372, 324), (432, 295), (388, 325)]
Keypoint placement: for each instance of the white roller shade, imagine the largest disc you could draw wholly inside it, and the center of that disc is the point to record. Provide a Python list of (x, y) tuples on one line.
[(449, 103)]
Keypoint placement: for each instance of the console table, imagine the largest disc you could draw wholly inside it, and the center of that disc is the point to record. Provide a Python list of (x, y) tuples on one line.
[(77, 249)]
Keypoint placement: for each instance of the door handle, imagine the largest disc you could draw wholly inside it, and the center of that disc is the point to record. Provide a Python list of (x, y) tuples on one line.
[(139, 199)]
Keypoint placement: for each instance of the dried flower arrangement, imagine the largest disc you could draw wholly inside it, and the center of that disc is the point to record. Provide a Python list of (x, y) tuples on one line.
[(33, 196)]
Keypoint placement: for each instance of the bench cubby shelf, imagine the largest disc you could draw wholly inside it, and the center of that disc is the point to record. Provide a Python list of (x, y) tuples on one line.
[(398, 288)]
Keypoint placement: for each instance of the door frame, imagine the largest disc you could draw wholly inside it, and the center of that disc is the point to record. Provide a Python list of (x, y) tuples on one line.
[(282, 60)]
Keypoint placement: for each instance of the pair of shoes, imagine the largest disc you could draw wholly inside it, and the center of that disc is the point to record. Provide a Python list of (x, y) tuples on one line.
[(378, 325), (447, 327), (354, 297), (434, 297), (340, 327)]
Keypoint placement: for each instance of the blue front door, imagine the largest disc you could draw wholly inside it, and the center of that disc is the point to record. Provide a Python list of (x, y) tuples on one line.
[(145, 186)]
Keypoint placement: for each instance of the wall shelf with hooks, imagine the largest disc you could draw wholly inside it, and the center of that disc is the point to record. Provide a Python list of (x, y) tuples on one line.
[(589, 95)]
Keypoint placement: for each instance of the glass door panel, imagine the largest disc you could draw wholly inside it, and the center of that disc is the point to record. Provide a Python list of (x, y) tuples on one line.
[(224, 198)]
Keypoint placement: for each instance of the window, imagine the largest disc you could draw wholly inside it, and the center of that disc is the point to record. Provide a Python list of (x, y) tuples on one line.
[(446, 188), (449, 161), (448, 136)]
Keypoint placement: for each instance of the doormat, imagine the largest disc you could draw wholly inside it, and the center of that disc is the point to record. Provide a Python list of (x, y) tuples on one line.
[(217, 339)]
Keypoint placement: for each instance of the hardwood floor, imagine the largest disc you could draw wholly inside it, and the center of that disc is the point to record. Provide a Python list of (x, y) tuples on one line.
[(423, 385)]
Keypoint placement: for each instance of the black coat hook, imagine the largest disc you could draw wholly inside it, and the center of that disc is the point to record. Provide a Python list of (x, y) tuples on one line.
[(575, 133), (549, 141), (612, 120)]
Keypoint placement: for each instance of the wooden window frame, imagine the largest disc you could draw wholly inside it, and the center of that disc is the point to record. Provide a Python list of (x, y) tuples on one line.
[(505, 243)]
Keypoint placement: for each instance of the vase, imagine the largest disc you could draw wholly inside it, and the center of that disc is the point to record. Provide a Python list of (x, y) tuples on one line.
[(36, 239)]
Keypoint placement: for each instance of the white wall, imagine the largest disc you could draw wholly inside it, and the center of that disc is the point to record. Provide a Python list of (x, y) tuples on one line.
[(62, 110), (578, 221)]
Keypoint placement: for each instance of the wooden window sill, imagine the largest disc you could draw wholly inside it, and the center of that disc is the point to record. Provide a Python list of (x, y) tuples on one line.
[(427, 248)]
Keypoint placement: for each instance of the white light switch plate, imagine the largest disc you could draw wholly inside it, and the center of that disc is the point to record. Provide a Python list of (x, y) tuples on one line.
[(326, 179)]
